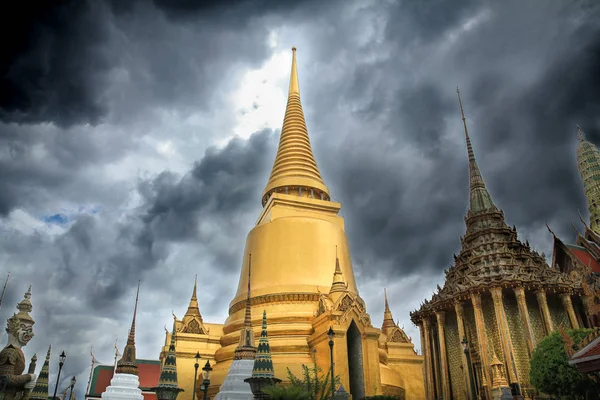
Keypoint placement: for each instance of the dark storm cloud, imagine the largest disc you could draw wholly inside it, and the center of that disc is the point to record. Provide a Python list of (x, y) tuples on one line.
[(525, 87)]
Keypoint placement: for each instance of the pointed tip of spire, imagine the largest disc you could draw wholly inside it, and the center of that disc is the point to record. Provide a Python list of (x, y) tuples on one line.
[(294, 85), (387, 306), (195, 284), (580, 134)]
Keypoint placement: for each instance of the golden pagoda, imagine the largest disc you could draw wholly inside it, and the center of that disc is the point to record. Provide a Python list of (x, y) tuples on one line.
[(302, 277), (500, 298)]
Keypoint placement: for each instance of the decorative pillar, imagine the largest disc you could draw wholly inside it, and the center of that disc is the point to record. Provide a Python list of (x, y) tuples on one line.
[(426, 350), (588, 301), (525, 318), (507, 349), (482, 340), (436, 365), (566, 300), (441, 322), (458, 307), (543, 302)]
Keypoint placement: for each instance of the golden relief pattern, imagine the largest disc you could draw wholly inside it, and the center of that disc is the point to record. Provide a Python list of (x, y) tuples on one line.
[(453, 348), (517, 336), (491, 329), (537, 321), (560, 318)]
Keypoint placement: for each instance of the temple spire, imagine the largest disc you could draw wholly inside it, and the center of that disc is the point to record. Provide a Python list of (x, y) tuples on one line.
[(295, 170), (40, 391), (193, 308), (388, 319), (246, 349), (479, 199), (263, 364), (588, 160), (338, 284), (4, 289), (128, 363), (167, 382)]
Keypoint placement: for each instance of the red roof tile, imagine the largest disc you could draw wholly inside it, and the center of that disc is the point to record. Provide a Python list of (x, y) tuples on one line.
[(148, 372), (585, 257)]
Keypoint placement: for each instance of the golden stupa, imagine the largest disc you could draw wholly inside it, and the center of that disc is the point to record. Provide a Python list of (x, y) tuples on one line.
[(302, 276)]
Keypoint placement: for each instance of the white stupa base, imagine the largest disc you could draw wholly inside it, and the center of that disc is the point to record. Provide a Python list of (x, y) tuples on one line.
[(123, 387), (234, 387)]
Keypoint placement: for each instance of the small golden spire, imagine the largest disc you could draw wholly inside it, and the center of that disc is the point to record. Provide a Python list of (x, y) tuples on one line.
[(338, 278), (4, 289), (388, 319), (193, 308)]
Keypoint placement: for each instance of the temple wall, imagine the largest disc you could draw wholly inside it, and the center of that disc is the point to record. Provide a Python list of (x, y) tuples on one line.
[(517, 336), (454, 354)]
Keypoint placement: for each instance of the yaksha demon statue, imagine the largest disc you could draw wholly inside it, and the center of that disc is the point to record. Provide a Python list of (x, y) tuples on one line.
[(13, 383)]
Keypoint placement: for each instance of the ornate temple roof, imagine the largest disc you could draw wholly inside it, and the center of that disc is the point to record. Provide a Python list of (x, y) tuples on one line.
[(192, 320), (491, 254), (338, 285), (127, 364), (391, 329), (295, 164)]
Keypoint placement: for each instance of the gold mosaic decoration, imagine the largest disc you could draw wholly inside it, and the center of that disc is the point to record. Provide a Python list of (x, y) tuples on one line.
[(454, 350), (559, 315), (517, 336)]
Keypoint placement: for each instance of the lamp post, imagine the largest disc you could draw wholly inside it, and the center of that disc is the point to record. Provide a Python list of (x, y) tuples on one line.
[(73, 381), (471, 389), (195, 374), (61, 359), (206, 381), (331, 334)]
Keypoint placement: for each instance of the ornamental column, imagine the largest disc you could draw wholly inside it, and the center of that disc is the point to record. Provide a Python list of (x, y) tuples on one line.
[(566, 300), (525, 318), (482, 341), (441, 321), (458, 307), (507, 348), (543, 302), (426, 349)]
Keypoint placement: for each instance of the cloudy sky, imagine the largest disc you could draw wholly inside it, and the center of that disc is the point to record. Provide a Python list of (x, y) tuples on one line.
[(136, 138)]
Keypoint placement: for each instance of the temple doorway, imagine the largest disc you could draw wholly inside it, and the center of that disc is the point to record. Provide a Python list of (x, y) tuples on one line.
[(355, 362)]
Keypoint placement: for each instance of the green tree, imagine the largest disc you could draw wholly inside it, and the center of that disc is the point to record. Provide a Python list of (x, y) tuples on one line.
[(550, 372), (313, 381)]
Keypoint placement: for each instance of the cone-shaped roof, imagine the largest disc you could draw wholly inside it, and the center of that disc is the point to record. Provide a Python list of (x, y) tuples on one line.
[(338, 284), (263, 364), (295, 164), (479, 199), (388, 320), (193, 308), (168, 370), (588, 160), (128, 364), (40, 390)]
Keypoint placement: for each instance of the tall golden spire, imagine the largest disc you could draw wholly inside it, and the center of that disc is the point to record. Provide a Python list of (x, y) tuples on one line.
[(388, 320), (480, 199), (128, 364), (295, 170)]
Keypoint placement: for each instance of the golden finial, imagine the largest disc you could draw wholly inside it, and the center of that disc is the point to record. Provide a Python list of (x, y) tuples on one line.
[(580, 134), (294, 85)]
